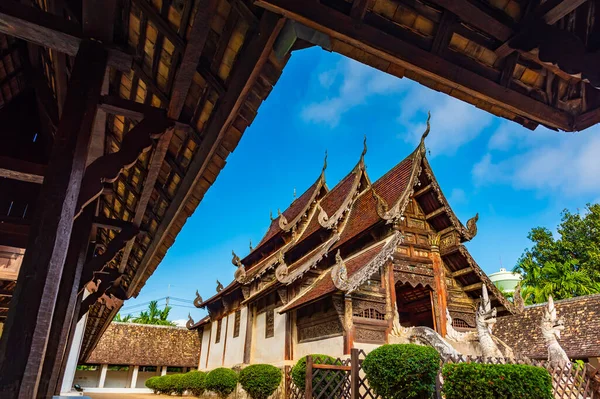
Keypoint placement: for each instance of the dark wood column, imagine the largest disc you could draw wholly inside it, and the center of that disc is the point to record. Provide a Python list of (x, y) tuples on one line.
[(441, 292), (25, 337), (63, 320), (348, 325)]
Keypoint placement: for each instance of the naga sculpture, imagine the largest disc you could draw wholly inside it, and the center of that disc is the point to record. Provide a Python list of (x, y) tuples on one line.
[(518, 300), (485, 320), (552, 325)]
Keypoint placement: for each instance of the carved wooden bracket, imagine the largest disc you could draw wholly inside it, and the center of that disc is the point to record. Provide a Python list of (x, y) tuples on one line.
[(108, 167), (108, 284), (112, 249)]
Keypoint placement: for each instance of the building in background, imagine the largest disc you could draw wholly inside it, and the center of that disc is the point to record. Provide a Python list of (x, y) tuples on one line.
[(506, 281), (128, 354)]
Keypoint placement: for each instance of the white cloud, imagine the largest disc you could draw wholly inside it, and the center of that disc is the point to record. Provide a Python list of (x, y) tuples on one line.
[(358, 82), (544, 161)]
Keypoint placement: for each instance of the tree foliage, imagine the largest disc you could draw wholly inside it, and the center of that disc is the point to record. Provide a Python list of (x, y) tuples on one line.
[(566, 266), (122, 319), (154, 315)]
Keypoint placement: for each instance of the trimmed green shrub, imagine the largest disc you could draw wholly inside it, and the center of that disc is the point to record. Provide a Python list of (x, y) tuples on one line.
[(177, 384), (401, 371), (260, 380), (194, 382), (503, 381), (221, 381), (322, 380), (152, 383), (164, 384)]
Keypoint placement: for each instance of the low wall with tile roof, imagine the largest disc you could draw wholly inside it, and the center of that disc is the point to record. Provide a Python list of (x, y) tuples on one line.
[(147, 345), (580, 338)]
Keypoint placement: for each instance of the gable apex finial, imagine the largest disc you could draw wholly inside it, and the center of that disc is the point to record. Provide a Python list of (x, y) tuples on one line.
[(324, 163), (425, 133), (364, 152)]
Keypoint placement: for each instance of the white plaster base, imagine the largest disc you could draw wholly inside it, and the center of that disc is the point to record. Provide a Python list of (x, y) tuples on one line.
[(116, 390)]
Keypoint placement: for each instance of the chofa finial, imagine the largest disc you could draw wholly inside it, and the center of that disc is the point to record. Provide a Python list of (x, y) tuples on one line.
[(251, 245), (197, 300), (219, 286), (271, 215), (190, 322), (294, 192), (324, 163), (364, 151), (235, 260), (425, 133), (472, 225)]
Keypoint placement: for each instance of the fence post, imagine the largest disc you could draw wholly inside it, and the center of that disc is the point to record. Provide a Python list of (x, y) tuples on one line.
[(286, 382), (354, 376), (309, 379)]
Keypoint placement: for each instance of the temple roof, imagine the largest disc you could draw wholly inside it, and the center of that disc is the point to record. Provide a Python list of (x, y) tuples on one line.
[(324, 285), (580, 338)]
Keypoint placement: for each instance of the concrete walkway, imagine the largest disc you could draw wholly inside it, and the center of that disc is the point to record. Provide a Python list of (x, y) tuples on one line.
[(125, 396)]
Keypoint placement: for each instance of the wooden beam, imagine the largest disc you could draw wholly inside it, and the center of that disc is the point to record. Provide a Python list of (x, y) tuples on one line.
[(462, 272), (111, 224), (444, 33), (587, 119), (253, 57), (473, 287), (472, 15), (408, 56), (131, 109), (6, 293), (359, 8), (553, 10), (422, 191), (18, 169), (25, 336), (435, 213), (52, 31), (13, 234), (161, 24), (181, 86)]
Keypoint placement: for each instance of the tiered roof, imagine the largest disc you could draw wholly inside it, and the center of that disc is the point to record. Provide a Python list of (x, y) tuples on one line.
[(342, 215)]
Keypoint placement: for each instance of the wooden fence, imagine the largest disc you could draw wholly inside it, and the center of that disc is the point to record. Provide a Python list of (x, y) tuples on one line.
[(345, 378)]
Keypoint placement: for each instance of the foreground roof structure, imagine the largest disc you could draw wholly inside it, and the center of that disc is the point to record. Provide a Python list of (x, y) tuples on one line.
[(158, 93)]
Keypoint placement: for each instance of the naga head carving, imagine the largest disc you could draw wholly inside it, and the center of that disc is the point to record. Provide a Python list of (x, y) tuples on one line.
[(236, 261), (425, 134), (219, 286), (190, 323), (472, 225), (552, 325), (197, 300), (518, 300)]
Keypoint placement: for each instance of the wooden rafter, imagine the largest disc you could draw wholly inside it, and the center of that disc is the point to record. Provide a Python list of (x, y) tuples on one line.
[(408, 56), (18, 169), (253, 57), (52, 31)]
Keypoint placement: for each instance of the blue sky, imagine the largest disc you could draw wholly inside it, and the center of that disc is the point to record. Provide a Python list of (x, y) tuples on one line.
[(515, 178)]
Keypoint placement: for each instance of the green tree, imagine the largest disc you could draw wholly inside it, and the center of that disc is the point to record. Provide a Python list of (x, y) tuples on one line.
[(122, 319), (566, 266), (154, 315)]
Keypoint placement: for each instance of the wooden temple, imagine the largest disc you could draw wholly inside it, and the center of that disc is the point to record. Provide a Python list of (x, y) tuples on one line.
[(118, 115), (336, 265)]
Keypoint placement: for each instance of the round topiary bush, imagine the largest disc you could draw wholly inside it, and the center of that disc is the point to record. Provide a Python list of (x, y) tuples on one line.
[(402, 371), (260, 380), (152, 383), (194, 382), (324, 383), (164, 384), (221, 381)]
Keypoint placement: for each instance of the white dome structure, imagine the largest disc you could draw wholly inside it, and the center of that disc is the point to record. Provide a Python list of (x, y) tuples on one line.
[(505, 280)]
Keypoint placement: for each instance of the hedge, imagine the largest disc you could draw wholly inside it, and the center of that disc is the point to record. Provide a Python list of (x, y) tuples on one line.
[(194, 382), (502, 381), (221, 381), (152, 383), (260, 380), (401, 371), (299, 375)]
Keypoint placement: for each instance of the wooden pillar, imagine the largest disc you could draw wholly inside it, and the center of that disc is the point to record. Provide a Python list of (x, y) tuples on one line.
[(388, 281), (288, 349), (354, 374), (308, 388), (249, 330), (63, 321), (25, 337), (441, 292), (163, 371), (348, 325), (103, 370)]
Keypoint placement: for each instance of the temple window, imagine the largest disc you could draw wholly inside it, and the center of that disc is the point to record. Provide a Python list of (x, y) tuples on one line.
[(459, 323), (218, 337), (370, 313), (270, 322), (236, 323)]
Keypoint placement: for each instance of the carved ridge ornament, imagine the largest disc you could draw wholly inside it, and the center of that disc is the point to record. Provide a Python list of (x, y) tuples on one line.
[(330, 222), (219, 286), (107, 168), (396, 212), (283, 274), (339, 273), (240, 273), (283, 222), (371, 267), (190, 322), (198, 300)]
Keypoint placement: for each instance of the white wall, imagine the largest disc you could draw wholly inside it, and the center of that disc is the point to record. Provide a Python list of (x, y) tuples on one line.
[(268, 350), (215, 357), (331, 346), (204, 346), (117, 379), (143, 376), (87, 378), (366, 347), (234, 352)]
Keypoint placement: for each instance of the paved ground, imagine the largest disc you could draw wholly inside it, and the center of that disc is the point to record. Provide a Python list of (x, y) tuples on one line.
[(125, 396)]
